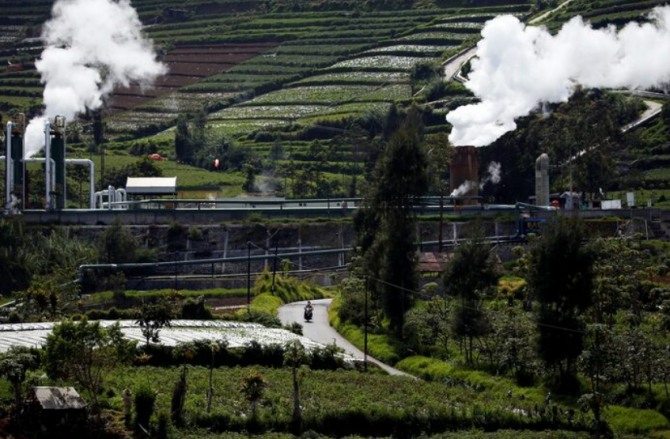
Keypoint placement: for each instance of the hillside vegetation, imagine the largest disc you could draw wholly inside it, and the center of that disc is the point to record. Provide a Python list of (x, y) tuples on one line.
[(291, 97)]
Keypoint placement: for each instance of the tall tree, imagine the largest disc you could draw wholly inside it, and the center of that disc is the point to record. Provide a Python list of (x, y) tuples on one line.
[(561, 279), (14, 364), (16, 262), (386, 223), (183, 142), (155, 316), (86, 352), (469, 277), (294, 357)]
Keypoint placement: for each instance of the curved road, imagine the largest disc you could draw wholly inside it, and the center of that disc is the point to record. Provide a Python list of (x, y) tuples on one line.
[(319, 329)]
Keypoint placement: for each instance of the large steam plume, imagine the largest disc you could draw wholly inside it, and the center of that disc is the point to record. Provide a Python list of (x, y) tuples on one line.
[(91, 47), (518, 67)]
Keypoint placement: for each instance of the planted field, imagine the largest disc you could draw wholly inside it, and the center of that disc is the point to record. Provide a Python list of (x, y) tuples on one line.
[(380, 62), (187, 65), (327, 95), (355, 78)]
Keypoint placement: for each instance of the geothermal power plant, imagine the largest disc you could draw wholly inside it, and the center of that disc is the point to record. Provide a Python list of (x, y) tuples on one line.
[(54, 164)]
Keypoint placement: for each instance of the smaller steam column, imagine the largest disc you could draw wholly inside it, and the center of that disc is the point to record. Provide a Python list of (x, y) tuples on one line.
[(464, 174), (542, 180)]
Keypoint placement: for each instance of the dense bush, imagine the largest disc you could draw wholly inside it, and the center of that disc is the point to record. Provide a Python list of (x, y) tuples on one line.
[(200, 353)]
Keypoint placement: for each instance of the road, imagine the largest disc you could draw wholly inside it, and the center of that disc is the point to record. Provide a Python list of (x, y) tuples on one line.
[(319, 329)]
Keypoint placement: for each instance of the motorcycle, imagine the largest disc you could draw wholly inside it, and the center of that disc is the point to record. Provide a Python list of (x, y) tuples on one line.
[(308, 314)]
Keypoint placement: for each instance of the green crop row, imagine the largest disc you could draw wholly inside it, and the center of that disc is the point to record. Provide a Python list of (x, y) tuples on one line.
[(333, 94), (380, 62), (265, 111), (355, 78)]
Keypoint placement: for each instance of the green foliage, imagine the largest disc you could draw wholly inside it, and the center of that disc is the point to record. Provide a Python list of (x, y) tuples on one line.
[(385, 224), (86, 352), (117, 244), (286, 288), (145, 399), (154, 316), (14, 365), (253, 388), (470, 277), (633, 420), (426, 330), (380, 346), (15, 260), (144, 167), (561, 278), (352, 301), (343, 403)]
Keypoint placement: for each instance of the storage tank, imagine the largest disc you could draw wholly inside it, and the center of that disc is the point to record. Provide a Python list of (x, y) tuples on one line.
[(464, 173)]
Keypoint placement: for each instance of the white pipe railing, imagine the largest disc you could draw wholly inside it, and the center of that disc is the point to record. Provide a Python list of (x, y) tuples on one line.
[(47, 164), (8, 167)]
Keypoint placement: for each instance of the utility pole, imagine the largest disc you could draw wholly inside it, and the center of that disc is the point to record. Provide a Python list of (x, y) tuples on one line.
[(249, 276), (274, 265), (365, 328)]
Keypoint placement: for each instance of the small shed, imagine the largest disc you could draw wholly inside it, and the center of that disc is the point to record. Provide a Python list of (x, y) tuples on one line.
[(151, 185), (57, 408), (432, 264)]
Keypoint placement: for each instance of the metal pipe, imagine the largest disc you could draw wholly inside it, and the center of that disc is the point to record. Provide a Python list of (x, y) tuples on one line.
[(47, 164), (8, 166), (206, 261)]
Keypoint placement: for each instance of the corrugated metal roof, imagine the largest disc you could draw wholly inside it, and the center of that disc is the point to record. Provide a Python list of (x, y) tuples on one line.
[(58, 398), (151, 185)]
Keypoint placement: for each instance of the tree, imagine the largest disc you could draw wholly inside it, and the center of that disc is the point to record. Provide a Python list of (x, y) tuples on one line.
[(16, 262), (117, 244), (439, 153), (214, 346), (14, 365), (598, 362), (253, 388), (561, 278), (294, 357), (155, 316), (183, 352), (183, 143), (469, 276), (426, 328), (512, 344), (385, 223), (665, 114), (86, 352)]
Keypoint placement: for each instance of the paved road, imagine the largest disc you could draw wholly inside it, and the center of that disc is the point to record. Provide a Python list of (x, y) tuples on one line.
[(319, 329)]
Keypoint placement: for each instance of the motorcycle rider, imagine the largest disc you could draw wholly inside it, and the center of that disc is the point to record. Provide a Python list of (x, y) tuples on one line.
[(308, 310)]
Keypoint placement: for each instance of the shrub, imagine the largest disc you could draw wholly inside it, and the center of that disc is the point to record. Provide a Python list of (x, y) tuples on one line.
[(196, 309), (145, 397)]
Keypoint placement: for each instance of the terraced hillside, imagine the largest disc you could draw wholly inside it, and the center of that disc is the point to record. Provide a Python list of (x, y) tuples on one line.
[(274, 77)]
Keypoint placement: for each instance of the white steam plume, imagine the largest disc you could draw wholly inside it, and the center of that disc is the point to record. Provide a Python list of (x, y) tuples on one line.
[(91, 47), (464, 188), (494, 175), (518, 67)]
